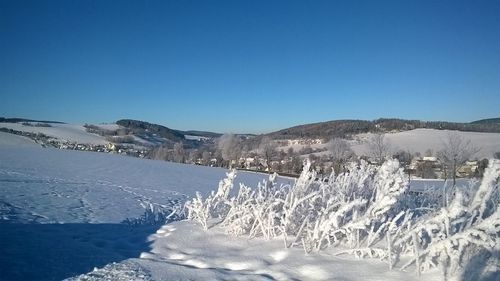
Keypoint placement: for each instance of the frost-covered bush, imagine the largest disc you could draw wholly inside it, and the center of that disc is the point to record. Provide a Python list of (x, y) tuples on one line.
[(470, 223), (215, 205), (353, 208), (367, 210), (156, 214)]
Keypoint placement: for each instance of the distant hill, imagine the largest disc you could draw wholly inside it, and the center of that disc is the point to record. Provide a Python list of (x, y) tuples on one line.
[(487, 121), (327, 129), (322, 130), (200, 134), (140, 127), (18, 120), (144, 128), (345, 128)]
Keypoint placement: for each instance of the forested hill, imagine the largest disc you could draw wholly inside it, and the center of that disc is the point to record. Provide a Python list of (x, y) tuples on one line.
[(141, 127), (343, 128), (487, 121), (18, 120)]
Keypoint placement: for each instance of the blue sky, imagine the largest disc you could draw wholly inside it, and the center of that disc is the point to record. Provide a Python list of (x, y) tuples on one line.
[(249, 66)]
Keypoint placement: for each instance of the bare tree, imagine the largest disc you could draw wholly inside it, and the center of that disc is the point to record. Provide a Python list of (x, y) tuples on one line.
[(379, 147), (159, 153), (340, 152), (230, 148), (404, 158), (194, 155), (294, 164), (179, 154), (456, 150), (206, 157), (268, 150)]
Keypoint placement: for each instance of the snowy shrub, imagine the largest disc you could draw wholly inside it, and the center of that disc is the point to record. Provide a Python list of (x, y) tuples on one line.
[(215, 205), (381, 212), (367, 209), (471, 222), (354, 208), (156, 214)]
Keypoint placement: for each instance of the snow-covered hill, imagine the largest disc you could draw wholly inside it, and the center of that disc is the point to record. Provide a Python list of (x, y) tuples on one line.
[(420, 140), (62, 132)]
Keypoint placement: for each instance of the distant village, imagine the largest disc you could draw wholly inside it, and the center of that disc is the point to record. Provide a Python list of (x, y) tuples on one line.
[(428, 167)]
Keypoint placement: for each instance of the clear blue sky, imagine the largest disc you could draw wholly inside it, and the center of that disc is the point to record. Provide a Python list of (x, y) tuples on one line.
[(249, 66)]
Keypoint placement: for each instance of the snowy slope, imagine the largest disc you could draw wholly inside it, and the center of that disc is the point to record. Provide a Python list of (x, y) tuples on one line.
[(61, 210), (183, 251), (67, 132), (7, 139), (420, 140), (71, 186)]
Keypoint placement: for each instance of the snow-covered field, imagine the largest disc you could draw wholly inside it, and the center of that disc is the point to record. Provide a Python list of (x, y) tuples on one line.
[(420, 140), (62, 213), (63, 132)]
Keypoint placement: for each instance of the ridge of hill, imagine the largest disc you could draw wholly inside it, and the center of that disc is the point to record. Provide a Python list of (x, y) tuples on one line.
[(487, 121), (17, 120), (345, 128), (141, 127)]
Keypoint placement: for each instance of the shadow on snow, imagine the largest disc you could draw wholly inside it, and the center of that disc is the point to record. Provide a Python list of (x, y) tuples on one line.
[(58, 251)]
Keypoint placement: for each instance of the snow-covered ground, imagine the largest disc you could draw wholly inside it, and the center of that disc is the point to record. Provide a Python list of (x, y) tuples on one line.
[(61, 210), (196, 138), (183, 251), (61, 215), (54, 186), (63, 132), (420, 140), (424, 185), (7, 140)]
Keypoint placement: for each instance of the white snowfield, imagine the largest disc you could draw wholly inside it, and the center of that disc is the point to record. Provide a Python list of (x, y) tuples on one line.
[(420, 140), (183, 251), (61, 214), (66, 132), (7, 139)]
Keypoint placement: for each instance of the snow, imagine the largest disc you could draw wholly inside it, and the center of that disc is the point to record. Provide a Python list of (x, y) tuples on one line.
[(61, 211), (183, 251), (67, 132), (61, 214), (423, 185), (111, 127), (7, 139), (196, 138), (96, 187), (297, 147), (420, 140)]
